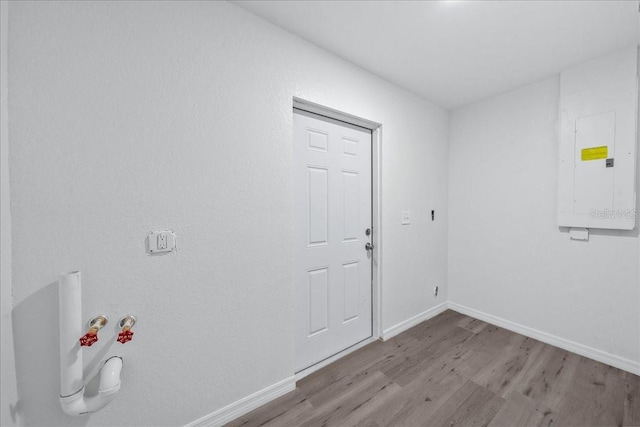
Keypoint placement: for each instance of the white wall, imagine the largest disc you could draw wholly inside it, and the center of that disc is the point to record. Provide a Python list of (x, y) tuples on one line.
[(8, 391), (507, 256), (128, 117)]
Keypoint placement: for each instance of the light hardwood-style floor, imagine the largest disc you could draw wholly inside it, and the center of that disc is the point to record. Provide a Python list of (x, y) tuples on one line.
[(453, 370)]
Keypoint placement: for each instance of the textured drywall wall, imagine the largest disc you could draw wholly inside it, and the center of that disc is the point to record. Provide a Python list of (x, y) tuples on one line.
[(128, 117), (507, 256), (8, 391)]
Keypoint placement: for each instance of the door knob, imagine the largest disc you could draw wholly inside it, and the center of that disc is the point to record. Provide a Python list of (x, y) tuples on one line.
[(368, 246)]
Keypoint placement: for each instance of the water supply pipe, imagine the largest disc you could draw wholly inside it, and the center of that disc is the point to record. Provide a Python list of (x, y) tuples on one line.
[(72, 397)]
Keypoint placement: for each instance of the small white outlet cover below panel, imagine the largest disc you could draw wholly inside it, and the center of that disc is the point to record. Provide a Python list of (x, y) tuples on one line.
[(579, 234), (406, 217), (161, 241)]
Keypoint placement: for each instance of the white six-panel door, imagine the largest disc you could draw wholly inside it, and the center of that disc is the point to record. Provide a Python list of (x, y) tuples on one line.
[(332, 210)]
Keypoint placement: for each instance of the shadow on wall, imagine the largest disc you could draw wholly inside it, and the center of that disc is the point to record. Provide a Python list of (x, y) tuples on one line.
[(36, 338)]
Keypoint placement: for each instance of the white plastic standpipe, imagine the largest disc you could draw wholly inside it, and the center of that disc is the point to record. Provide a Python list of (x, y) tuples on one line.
[(70, 297), (72, 398)]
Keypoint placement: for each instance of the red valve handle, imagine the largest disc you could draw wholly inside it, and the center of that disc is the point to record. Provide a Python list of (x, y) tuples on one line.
[(92, 336), (125, 335), (89, 338)]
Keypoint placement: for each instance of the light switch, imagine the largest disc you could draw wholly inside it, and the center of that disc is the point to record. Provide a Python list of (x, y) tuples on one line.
[(406, 218), (161, 241)]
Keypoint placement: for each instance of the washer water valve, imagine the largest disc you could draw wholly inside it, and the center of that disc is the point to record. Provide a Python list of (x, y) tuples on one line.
[(126, 334), (91, 336)]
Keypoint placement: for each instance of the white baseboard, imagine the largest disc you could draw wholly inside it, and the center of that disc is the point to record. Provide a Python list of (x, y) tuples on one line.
[(574, 347), (413, 321), (248, 404)]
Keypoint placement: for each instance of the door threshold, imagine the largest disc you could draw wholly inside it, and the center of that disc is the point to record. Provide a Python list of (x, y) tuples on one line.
[(329, 360)]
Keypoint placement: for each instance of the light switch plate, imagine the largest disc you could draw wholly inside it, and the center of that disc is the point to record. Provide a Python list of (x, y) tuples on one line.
[(161, 242), (406, 218)]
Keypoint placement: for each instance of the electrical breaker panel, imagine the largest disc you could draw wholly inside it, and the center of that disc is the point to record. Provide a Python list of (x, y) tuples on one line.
[(598, 141)]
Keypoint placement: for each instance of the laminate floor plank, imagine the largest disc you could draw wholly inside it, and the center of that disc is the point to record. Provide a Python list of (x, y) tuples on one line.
[(482, 349), (286, 410), (551, 365), (362, 360), (518, 411), (415, 362), (453, 370), (594, 397), (442, 324), (471, 324), (368, 402), (344, 408), (342, 387), (416, 403), (631, 415), (470, 405), (502, 375), (427, 385)]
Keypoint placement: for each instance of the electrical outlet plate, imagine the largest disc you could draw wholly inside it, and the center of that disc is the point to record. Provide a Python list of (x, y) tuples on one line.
[(161, 241)]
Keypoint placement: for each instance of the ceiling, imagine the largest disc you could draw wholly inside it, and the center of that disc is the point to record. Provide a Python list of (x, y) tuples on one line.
[(457, 52)]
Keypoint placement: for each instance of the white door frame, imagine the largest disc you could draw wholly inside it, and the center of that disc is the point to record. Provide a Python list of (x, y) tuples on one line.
[(376, 222)]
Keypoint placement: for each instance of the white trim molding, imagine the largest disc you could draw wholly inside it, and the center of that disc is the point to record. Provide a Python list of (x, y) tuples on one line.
[(237, 409), (574, 347), (312, 107), (412, 321), (9, 416), (376, 222)]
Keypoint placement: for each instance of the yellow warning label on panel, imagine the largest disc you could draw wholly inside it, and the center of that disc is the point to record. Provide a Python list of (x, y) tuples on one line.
[(595, 153)]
